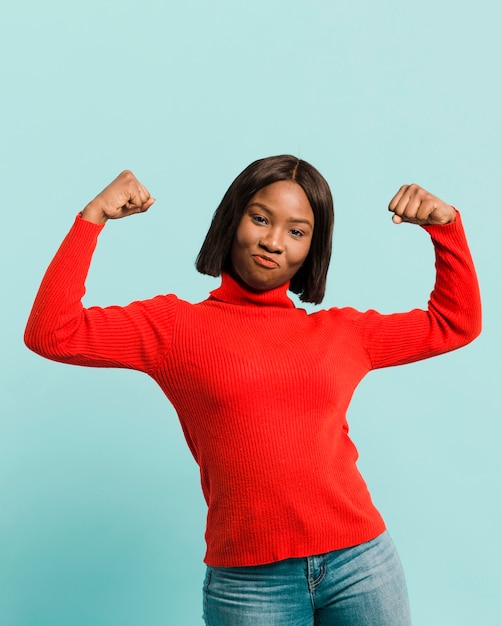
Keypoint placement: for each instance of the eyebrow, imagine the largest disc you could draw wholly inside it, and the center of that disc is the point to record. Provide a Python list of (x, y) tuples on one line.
[(293, 220)]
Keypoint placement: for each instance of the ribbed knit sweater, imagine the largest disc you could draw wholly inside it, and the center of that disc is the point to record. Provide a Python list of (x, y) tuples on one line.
[(261, 389)]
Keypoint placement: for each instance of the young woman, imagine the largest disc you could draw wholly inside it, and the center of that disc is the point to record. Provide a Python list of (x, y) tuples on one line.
[(261, 387)]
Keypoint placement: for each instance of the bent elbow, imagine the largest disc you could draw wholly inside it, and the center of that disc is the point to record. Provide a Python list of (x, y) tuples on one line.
[(475, 321), (40, 341), (475, 330), (470, 330), (30, 335), (33, 340)]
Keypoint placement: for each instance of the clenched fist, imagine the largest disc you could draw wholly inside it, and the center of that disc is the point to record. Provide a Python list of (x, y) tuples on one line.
[(414, 204), (122, 197)]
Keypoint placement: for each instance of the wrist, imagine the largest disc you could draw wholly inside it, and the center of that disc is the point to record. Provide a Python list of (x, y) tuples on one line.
[(94, 213)]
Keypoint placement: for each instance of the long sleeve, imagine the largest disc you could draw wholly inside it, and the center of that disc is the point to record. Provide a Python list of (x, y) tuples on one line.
[(261, 389), (453, 316), (136, 336)]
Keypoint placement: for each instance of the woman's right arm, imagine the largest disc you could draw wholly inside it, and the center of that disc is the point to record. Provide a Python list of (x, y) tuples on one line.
[(61, 329)]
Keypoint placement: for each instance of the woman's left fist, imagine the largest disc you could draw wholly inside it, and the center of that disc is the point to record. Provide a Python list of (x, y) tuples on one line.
[(414, 204)]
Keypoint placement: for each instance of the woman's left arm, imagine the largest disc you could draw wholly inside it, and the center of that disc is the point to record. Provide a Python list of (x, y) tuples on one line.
[(453, 316)]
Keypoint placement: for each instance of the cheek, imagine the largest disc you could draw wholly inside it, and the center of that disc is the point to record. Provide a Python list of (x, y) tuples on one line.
[(302, 254), (243, 238), (238, 246)]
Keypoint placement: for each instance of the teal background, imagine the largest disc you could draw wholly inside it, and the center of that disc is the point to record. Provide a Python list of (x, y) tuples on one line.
[(101, 516)]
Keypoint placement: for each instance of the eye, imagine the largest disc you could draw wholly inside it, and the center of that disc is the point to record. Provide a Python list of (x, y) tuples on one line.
[(259, 219), (296, 233)]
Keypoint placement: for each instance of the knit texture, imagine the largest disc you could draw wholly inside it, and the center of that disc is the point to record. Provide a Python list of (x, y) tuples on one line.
[(261, 389)]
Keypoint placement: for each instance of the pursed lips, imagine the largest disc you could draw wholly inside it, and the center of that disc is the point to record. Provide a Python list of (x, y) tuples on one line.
[(265, 261)]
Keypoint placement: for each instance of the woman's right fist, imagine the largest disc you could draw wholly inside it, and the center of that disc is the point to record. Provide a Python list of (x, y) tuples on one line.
[(122, 197)]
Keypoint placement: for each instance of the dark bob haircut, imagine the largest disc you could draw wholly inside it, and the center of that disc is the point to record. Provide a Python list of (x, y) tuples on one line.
[(309, 281)]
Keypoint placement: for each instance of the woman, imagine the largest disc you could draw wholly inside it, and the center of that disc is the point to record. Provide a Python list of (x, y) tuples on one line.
[(261, 388)]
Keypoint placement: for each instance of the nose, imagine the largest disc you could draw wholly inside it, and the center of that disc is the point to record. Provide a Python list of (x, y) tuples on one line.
[(272, 241)]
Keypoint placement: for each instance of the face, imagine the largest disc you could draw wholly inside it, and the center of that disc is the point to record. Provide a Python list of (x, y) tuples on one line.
[(274, 236)]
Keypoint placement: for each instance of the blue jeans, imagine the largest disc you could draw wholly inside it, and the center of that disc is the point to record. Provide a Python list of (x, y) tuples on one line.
[(359, 586)]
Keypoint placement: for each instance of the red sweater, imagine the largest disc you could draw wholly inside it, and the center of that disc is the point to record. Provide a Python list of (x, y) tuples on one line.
[(261, 389)]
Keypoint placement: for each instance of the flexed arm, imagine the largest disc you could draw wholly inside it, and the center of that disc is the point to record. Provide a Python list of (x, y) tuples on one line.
[(60, 328), (453, 316)]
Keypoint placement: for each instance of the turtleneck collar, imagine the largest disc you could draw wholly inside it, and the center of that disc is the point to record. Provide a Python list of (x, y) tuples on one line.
[(234, 292)]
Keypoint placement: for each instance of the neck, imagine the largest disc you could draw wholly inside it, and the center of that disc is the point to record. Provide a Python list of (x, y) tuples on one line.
[(234, 291)]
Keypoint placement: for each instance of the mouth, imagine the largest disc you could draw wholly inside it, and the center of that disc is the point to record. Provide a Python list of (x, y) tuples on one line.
[(265, 261)]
